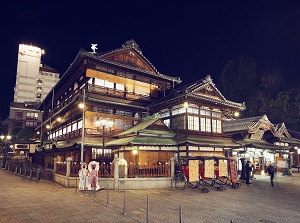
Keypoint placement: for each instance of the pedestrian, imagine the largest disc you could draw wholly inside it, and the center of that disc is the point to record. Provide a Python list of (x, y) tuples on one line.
[(83, 174), (248, 170), (94, 178), (271, 171)]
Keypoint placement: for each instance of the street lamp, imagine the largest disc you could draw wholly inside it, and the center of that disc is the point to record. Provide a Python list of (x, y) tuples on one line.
[(8, 137), (105, 124), (82, 106)]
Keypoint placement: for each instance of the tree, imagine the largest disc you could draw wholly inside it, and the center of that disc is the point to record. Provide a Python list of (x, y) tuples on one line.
[(237, 79), (27, 133), (14, 133)]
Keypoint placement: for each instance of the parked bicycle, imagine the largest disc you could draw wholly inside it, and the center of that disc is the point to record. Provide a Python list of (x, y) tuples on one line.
[(181, 182)]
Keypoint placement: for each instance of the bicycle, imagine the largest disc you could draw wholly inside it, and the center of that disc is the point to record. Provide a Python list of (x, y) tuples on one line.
[(181, 182)]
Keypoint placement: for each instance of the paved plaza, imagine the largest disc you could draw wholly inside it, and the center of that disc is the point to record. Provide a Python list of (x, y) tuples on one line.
[(27, 200)]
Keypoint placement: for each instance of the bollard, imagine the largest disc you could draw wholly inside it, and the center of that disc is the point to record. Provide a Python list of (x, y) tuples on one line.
[(38, 174), (147, 210), (124, 208), (76, 184), (25, 174), (84, 187), (30, 175), (107, 196), (180, 214), (94, 194)]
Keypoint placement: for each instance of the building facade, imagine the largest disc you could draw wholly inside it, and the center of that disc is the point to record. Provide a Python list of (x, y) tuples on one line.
[(133, 112), (33, 82)]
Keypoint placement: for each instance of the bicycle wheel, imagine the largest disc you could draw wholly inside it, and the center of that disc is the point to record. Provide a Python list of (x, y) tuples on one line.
[(179, 181)]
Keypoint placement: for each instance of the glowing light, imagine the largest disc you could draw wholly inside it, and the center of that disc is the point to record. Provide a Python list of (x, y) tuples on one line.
[(185, 104)]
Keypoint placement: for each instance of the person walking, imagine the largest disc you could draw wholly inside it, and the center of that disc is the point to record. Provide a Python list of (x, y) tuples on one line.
[(248, 170), (271, 171)]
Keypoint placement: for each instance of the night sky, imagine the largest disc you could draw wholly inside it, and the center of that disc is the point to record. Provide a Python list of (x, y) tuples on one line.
[(187, 39)]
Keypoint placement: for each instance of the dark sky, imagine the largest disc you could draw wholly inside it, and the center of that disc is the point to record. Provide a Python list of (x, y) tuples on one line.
[(189, 39)]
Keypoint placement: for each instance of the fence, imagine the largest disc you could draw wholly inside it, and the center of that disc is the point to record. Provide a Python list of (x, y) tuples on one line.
[(160, 170), (28, 169), (106, 170)]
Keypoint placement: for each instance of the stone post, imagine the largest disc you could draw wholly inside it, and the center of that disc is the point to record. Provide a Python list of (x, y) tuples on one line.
[(172, 167), (116, 173), (68, 171)]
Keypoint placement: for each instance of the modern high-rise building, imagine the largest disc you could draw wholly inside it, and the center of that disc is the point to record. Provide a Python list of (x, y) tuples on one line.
[(33, 82)]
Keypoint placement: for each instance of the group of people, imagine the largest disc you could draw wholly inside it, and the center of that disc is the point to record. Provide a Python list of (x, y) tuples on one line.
[(88, 177), (271, 170)]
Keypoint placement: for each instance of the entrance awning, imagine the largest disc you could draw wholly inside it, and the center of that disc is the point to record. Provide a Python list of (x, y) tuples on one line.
[(260, 144), (142, 141), (209, 142)]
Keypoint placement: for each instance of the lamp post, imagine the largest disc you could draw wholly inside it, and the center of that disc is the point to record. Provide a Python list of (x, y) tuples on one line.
[(82, 106), (8, 137), (105, 124), (298, 153)]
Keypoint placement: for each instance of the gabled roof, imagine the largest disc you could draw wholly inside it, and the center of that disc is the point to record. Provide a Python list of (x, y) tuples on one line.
[(128, 56), (249, 125), (203, 89), (282, 130), (151, 125)]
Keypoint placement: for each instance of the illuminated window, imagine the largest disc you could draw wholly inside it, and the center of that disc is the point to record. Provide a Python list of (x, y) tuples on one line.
[(167, 122), (193, 123)]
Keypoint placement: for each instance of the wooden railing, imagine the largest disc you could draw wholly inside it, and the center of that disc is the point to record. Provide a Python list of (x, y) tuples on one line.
[(106, 170), (159, 170), (61, 168)]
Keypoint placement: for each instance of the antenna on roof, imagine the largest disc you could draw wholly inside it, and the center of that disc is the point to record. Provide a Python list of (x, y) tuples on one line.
[(94, 47)]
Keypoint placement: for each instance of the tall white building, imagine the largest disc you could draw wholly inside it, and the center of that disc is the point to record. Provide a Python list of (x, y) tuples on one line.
[(33, 82)]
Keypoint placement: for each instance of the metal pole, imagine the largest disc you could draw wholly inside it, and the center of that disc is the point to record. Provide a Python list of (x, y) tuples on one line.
[(124, 208), (83, 126), (103, 131), (76, 184), (107, 196), (147, 210), (180, 214), (94, 194)]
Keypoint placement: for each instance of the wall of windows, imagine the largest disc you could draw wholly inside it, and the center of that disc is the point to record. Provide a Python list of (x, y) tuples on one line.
[(198, 119)]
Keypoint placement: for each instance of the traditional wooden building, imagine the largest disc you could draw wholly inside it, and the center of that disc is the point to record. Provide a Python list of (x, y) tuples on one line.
[(260, 141), (196, 112), (134, 112), (116, 88)]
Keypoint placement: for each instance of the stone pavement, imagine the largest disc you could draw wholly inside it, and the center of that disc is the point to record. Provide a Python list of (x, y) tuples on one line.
[(28, 200)]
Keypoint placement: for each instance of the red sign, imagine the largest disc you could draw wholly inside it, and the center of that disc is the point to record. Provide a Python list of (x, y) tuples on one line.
[(232, 172)]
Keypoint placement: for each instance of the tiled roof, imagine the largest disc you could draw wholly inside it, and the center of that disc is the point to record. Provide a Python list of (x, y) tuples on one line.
[(189, 90), (131, 44), (244, 124), (142, 141), (260, 144), (141, 128), (209, 142)]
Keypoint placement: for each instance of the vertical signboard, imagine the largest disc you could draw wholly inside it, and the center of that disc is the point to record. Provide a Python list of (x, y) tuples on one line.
[(232, 171), (209, 170), (223, 169), (193, 170)]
